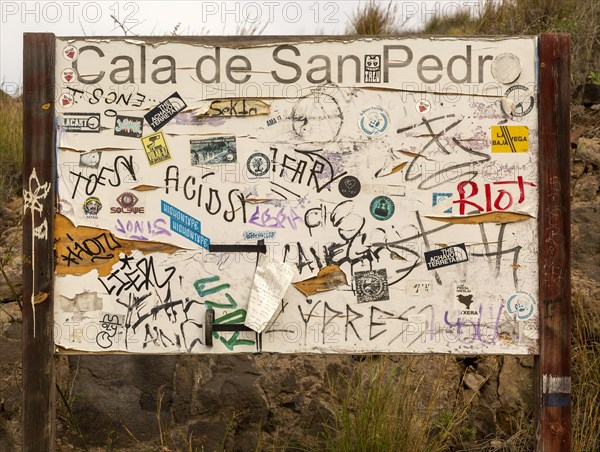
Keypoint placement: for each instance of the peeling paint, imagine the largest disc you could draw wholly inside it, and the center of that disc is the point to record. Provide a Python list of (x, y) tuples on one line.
[(328, 278), (393, 170), (40, 297), (82, 249), (83, 302), (490, 217), (146, 188), (556, 384), (415, 155)]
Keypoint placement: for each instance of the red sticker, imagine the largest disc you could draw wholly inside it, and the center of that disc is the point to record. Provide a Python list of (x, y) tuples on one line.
[(70, 53), (66, 100), (68, 75), (423, 106)]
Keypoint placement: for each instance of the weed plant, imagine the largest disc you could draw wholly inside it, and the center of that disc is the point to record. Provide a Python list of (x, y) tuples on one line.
[(382, 408)]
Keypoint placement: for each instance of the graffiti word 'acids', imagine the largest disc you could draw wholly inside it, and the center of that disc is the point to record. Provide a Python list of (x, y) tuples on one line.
[(288, 66), (215, 202)]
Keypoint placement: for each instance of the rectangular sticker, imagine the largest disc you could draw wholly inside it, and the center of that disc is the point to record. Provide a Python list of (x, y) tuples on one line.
[(129, 126), (510, 139), (372, 68), (463, 300), (81, 122), (259, 235), (418, 288), (185, 225), (156, 148), (165, 111), (446, 256), (440, 197), (371, 285), (213, 151)]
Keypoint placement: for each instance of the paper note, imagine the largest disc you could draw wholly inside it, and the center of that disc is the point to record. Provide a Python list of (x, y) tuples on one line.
[(271, 281)]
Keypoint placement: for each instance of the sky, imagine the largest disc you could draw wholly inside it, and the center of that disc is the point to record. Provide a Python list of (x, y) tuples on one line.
[(142, 18)]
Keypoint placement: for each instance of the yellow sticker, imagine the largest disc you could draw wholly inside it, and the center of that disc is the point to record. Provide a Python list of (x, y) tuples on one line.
[(156, 148), (238, 107), (510, 139)]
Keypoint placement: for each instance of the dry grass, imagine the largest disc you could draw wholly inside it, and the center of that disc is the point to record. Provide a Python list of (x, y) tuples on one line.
[(581, 18), (11, 145), (586, 379), (382, 408), (374, 19)]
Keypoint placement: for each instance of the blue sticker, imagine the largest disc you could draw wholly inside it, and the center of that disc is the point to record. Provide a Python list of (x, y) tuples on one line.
[(373, 121), (439, 197), (185, 225), (521, 305)]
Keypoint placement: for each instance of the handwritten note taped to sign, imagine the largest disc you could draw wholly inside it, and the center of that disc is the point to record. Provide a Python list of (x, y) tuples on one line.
[(271, 281)]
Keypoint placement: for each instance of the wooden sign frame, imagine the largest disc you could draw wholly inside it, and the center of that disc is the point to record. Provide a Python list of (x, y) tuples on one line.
[(552, 374)]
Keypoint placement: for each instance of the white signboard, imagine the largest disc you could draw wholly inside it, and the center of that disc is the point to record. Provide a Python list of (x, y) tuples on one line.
[(322, 195)]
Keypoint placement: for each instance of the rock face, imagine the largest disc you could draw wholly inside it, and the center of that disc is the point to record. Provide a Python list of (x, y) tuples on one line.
[(237, 402), (10, 377), (585, 216), (11, 245)]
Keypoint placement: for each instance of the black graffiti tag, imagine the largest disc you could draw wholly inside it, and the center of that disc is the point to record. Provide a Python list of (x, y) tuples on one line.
[(138, 278), (98, 247)]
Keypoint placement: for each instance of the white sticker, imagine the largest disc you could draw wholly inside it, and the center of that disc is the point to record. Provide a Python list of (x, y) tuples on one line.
[(506, 68)]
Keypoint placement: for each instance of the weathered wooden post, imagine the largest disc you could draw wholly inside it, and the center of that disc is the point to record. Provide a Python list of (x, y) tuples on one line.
[(39, 407), (553, 370)]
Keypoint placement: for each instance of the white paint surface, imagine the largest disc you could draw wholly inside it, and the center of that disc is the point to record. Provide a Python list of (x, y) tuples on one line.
[(394, 303)]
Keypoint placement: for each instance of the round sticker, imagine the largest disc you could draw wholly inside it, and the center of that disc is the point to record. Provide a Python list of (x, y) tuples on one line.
[(68, 75), (506, 68), (373, 121), (382, 208), (521, 305), (423, 106), (70, 53), (258, 164), (317, 117), (66, 100), (92, 206), (517, 101), (349, 186)]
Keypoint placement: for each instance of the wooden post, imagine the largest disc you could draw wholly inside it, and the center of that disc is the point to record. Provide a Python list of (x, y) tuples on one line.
[(553, 366), (39, 408)]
